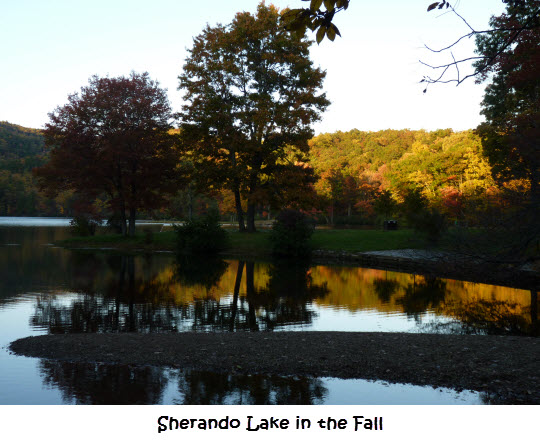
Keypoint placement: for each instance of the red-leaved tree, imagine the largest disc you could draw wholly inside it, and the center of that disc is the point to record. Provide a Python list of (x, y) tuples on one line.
[(113, 139)]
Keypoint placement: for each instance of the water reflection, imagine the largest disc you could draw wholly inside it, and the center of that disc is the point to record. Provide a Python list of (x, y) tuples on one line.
[(94, 384), (152, 293), (112, 296), (51, 290)]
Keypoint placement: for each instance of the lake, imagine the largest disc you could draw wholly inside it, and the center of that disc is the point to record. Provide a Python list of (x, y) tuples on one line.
[(50, 290)]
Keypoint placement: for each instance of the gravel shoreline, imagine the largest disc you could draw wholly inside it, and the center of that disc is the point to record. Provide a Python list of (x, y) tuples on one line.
[(506, 368)]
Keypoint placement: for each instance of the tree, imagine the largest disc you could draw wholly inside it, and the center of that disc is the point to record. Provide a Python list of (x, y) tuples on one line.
[(511, 105), (251, 97), (521, 17), (320, 20), (112, 138)]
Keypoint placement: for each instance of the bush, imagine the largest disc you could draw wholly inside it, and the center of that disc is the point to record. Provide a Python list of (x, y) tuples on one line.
[(83, 226), (291, 233), (114, 223), (201, 235), (431, 223)]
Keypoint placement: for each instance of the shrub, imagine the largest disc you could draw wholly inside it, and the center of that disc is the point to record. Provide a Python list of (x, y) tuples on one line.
[(291, 233), (114, 223), (201, 235), (431, 223), (83, 226)]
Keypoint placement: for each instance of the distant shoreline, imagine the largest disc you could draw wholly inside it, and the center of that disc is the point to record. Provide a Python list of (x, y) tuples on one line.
[(507, 369)]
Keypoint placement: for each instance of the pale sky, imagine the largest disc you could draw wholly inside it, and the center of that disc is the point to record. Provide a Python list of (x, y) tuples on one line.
[(50, 48)]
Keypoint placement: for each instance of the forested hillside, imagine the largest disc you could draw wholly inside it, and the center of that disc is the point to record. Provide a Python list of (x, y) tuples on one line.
[(352, 168), (21, 150)]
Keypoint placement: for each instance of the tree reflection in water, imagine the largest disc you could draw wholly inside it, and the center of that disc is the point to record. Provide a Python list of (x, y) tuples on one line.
[(111, 295), (114, 293), (208, 388), (426, 294), (100, 384), (492, 317), (285, 300), (94, 384)]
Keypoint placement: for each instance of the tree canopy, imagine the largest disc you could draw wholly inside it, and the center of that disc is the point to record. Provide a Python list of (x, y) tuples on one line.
[(112, 139), (511, 105), (251, 95)]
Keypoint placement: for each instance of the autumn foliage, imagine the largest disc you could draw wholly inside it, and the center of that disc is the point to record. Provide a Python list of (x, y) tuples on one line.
[(112, 141)]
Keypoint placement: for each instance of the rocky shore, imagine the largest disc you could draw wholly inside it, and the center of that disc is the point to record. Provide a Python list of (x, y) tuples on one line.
[(507, 369)]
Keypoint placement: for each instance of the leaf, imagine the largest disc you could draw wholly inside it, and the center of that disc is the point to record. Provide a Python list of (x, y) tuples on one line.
[(320, 34), (329, 4), (432, 6), (315, 5), (331, 34), (336, 30)]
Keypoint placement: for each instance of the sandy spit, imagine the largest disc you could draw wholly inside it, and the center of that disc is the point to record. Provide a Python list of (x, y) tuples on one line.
[(506, 368)]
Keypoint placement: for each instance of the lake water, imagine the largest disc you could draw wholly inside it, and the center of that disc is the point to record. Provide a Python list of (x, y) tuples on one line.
[(50, 290)]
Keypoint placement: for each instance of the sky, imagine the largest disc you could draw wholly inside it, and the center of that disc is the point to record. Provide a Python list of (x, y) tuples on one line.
[(50, 48)]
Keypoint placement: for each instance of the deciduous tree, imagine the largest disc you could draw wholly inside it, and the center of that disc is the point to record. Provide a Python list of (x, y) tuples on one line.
[(511, 105), (251, 95), (112, 138)]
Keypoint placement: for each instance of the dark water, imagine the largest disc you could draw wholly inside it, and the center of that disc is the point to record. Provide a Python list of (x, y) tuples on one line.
[(49, 290)]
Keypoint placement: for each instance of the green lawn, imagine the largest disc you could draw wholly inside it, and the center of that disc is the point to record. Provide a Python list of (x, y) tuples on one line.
[(351, 240)]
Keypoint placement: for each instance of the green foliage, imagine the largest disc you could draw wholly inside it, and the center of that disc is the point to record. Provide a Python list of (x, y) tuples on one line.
[(414, 204), (251, 95), (430, 223), (385, 204), (291, 233), (201, 235), (17, 142), (83, 226)]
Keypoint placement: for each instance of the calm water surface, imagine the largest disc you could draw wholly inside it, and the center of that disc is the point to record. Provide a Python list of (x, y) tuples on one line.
[(49, 290)]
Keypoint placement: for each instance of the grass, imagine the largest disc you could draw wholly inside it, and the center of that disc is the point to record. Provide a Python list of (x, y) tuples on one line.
[(353, 240), (258, 243)]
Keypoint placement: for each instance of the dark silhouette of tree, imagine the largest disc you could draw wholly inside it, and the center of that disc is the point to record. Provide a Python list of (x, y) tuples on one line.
[(105, 384), (506, 32), (209, 388), (315, 18), (385, 288), (423, 295), (250, 93), (525, 15), (113, 138), (511, 105)]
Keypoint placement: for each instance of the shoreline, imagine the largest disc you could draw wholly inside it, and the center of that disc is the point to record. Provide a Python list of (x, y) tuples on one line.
[(507, 369), (412, 261)]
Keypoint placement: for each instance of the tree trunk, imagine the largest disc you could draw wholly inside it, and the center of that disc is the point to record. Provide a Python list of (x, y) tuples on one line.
[(123, 224), (190, 205), (239, 210), (534, 309), (251, 217), (236, 292), (132, 215), (250, 295)]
